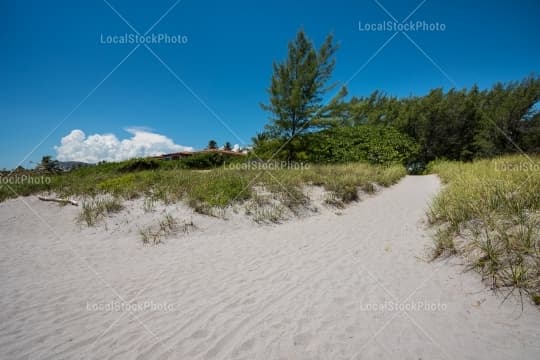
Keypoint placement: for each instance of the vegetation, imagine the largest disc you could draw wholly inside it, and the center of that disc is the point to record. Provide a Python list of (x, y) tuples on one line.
[(486, 212), (208, 190), (489, 212), (264, 209), (373, 144), (96, 209), (456, 125), (459, 124), (138, 165), (168, 226), (48, 165), (207, 161), (297, 88)]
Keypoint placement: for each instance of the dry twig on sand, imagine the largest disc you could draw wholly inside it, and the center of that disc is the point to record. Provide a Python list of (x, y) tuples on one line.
[(61, 201)]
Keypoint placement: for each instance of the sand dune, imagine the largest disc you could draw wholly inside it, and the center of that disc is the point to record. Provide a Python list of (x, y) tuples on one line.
[(321, 287)]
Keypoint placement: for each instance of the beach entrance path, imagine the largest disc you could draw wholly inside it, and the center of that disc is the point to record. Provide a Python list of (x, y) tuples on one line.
[(348, 285)]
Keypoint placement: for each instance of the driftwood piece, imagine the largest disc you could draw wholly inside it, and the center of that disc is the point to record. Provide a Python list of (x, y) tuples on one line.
[(61, 201)]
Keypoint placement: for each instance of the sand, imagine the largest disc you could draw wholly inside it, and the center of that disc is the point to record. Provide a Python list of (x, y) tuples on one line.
[(352, 284)]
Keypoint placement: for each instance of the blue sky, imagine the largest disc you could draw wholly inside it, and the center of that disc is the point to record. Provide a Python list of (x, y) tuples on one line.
[(53, 58)]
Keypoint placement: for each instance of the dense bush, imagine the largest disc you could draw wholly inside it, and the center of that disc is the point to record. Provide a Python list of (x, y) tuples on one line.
[(373, 144), (458, 124), (208, 160), (139, 165)]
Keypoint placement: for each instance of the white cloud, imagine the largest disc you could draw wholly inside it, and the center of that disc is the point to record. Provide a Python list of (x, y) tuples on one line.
[(76, 146)]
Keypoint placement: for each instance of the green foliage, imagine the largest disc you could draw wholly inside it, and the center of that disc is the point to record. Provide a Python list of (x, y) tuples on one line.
[(459, 124), (139, 165), (212, 145), (204, 161), (297, 88), (24, 183), (373, 144), (531, 134), (268, 148), (48, 165)]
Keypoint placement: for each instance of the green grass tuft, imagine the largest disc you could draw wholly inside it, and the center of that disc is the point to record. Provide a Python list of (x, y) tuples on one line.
[(493, 208), (95, 210)]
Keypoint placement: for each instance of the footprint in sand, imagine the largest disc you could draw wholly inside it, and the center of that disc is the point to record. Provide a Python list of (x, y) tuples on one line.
[(199, 334), (302, 339)]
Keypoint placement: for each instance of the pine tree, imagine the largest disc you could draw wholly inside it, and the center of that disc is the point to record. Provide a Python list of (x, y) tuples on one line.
[(297, 88)]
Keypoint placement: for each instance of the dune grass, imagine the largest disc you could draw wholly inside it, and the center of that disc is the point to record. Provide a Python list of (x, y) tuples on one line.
[(489, 212), (168, 226), (217, 188), (96, 209)]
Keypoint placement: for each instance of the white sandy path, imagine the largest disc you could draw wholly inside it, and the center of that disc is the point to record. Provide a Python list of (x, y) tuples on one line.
[(300, 290)]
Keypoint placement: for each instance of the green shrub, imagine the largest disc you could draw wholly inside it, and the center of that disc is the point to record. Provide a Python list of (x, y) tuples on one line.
[(372, 144), (209, 160), (139, 165)]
